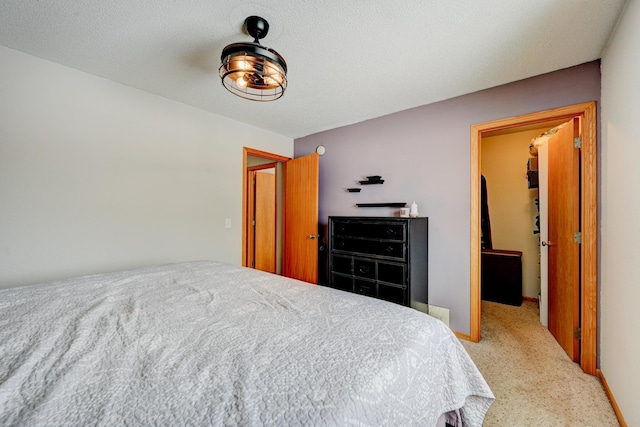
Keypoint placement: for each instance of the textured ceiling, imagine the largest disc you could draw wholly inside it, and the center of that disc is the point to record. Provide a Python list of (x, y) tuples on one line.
[(348, 61)]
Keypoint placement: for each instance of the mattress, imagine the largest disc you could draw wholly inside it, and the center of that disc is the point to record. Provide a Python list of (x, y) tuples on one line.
[(206, 343)]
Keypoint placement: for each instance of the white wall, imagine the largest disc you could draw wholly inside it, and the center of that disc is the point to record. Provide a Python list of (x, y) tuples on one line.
[(512, 208), (620, 215), (96, 176)]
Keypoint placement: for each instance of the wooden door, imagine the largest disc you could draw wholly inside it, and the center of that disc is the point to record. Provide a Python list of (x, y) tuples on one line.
[(265, 221), (563, 251), (300, 251)]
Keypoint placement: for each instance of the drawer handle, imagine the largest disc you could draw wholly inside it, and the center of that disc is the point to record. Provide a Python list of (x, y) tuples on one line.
[(364, 269), (390, 249), (341, 244), (389, 231), (364, 289)]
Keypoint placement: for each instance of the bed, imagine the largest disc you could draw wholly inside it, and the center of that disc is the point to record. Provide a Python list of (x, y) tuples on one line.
[(207, 343)]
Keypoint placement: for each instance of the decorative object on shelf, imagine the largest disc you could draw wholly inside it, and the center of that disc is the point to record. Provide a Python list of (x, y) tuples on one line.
[(413, 213), (354, 190), (404, 212), (250, 70), (381, 205)]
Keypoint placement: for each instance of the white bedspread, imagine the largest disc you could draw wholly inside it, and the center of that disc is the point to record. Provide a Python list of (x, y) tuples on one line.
[(212, 344)]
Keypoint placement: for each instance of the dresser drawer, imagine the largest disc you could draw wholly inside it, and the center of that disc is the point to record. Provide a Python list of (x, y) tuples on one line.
[(364, 268), (342, 264), (392, 294), (387, 249), (365, 287), (385, 231), (392, 273), (342, 282)]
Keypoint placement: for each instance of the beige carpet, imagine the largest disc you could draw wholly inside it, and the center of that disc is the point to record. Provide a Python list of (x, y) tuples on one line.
[(534, 381)]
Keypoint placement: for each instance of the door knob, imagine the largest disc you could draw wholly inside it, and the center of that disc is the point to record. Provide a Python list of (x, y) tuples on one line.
[(313, 236), (546, 243)]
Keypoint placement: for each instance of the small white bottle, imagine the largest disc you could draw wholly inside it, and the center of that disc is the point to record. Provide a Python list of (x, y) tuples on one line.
[(413, 212)]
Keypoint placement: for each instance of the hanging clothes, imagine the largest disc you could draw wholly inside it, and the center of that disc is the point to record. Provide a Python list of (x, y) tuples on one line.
[(485, 223)]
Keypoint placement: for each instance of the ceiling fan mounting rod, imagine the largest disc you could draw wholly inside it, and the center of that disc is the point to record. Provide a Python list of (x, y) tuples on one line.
[(257, 27)]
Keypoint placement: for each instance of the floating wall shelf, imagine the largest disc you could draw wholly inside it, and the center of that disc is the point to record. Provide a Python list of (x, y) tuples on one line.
[(381, 205), (372, 179)]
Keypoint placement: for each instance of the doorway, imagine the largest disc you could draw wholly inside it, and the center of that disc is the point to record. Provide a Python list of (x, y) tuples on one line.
[(262, 246), (297, 246), (262, 239), (512, 215), (588, 218)]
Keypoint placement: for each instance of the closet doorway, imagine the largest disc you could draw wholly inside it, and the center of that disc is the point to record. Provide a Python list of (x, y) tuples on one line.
[(587, 267), (517, 261), (509, 217)]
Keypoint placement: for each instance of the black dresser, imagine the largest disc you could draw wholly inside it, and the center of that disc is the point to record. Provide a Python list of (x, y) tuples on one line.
[(381, 257)]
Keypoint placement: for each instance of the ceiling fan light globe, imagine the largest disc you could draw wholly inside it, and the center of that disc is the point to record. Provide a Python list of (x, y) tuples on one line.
[(241, 82)]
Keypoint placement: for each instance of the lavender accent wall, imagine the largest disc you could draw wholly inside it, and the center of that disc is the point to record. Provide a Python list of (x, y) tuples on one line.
[(423, 154)]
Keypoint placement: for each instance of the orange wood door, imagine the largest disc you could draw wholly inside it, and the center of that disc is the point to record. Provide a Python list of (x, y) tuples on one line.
[(563, 251), (300, 246), (265, 221), (251, 219)]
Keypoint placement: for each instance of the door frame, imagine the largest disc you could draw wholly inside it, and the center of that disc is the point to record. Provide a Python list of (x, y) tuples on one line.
[(588, 249), (246, 152)]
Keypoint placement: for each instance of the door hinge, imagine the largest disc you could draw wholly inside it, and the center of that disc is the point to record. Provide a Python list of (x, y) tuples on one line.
[(577, 333), (253, 222), (577, 237), (577, 142), (253, 264)]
